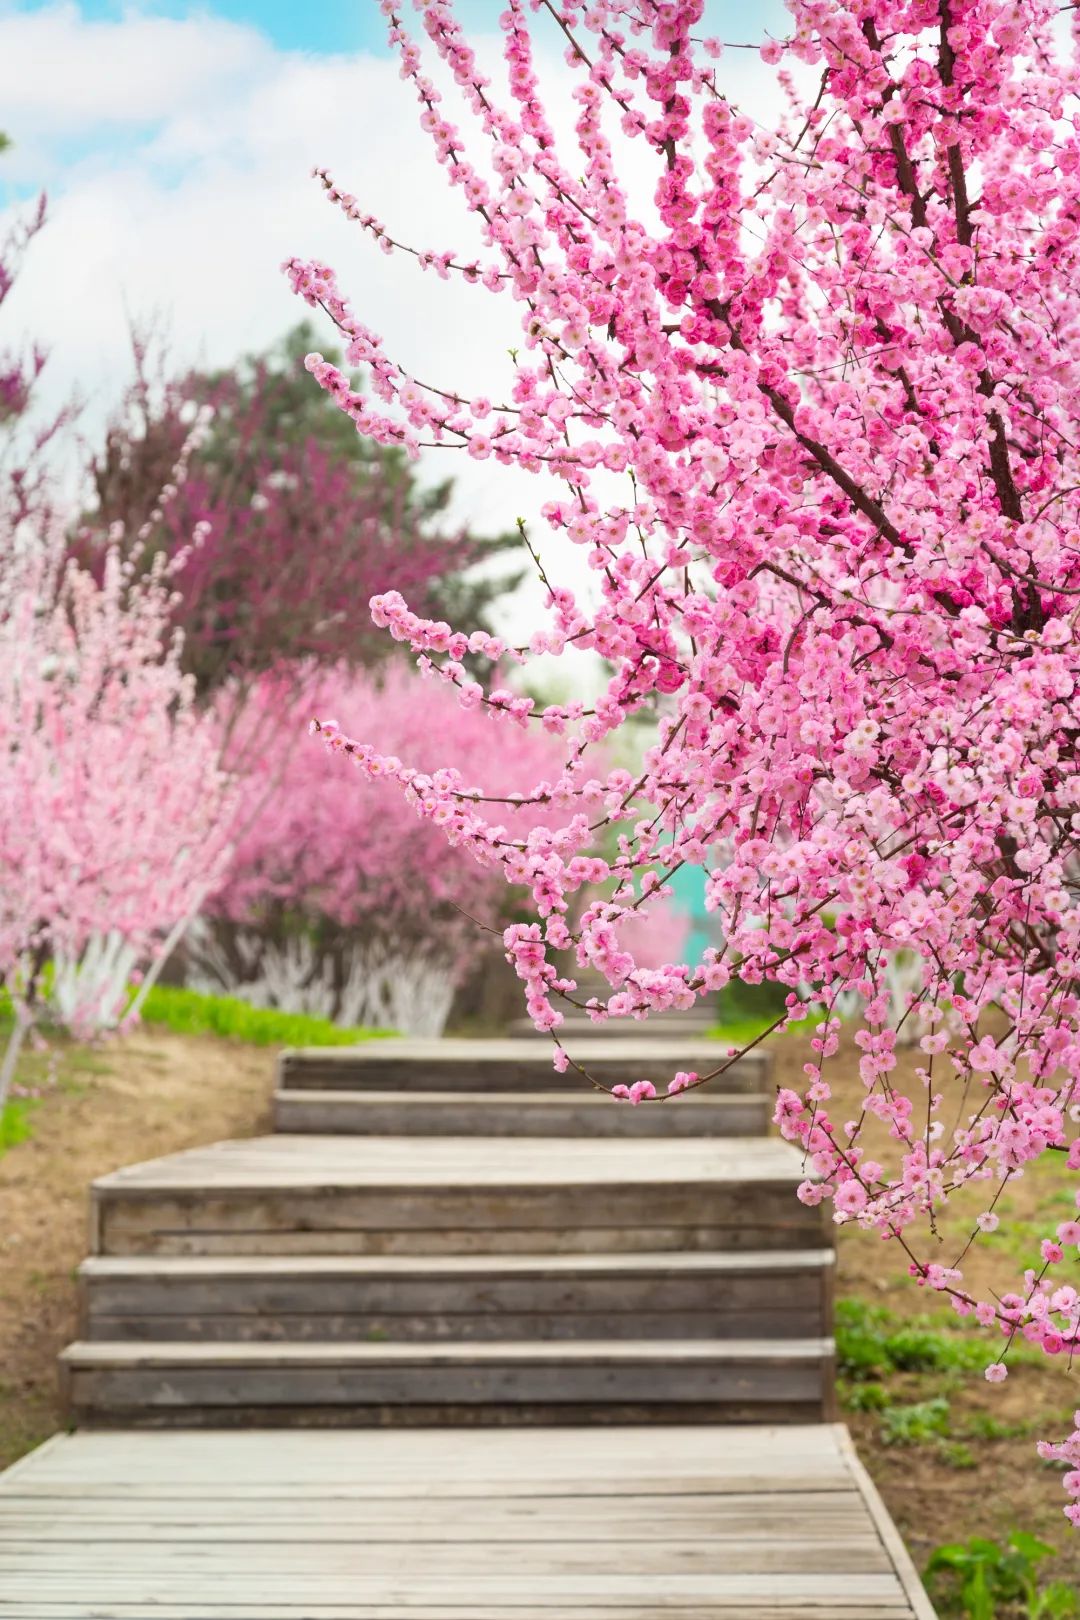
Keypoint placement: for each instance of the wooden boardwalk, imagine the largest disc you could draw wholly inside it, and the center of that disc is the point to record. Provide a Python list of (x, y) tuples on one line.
[(460, 1341), (706, 1523)]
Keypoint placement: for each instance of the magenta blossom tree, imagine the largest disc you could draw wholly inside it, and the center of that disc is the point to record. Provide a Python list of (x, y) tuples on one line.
[(816, 410), (301, 518)]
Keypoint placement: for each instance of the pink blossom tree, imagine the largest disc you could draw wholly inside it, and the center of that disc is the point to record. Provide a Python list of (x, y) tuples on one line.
[(115, 815), (303, 518), (114, 812), (335, 903), (815, 409)]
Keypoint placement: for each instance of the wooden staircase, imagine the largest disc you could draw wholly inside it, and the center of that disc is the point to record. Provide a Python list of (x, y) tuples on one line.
[(451, 1233)]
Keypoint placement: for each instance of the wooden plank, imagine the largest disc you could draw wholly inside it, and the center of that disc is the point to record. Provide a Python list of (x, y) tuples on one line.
[(723, 1379), (405, 1161), (568, 1517), (769, 1295), (661, 1593), (534, 1113), (513, 1064), (356, 1220), (678, 1353), (259, 1326), (438, 1461), (453, 1268), (852, 1550), (452, 1240), (449, 1609)]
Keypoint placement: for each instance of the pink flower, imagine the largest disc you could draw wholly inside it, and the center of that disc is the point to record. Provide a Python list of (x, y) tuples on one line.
[(850, 1198), (682, 1079), (642, 1091), (996, 1373)]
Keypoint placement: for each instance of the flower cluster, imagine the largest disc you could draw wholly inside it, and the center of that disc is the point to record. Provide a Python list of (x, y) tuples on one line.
[(815, 414)]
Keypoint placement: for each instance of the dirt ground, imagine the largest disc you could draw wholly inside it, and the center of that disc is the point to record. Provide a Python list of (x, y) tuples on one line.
[(155, 1093), (962, 1483), (135, 1099)]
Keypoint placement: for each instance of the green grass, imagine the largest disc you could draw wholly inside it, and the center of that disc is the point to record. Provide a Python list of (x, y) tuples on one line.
[(15, 1123), (740, 1031), (871, 1345), (188, 1012)]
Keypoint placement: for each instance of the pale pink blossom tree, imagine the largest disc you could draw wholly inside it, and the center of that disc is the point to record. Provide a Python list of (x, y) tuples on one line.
[(115, 814), (815, 408)]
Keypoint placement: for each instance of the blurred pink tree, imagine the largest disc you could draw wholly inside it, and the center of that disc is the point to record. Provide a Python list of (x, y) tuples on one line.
[(339, 903)]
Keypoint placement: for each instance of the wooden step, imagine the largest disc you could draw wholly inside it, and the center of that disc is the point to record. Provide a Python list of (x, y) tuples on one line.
[(770, 1295), (527, 1113), (514, 1064), (457, 1195), (588, 1381)]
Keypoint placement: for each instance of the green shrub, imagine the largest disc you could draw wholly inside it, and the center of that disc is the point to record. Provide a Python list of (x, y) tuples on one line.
[(189, 1012)]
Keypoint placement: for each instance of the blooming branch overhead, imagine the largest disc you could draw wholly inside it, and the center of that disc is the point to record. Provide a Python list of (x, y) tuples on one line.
[(815, 411)]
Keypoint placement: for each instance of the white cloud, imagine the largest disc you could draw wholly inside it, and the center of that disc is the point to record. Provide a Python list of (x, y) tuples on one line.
[(60, 72), (186, 149)]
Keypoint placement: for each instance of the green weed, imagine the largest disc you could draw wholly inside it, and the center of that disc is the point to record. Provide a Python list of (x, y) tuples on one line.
[(986, 1580), (984, 1426), (916, 1424), (864, 1397), (956, 1454), (870, 1345)]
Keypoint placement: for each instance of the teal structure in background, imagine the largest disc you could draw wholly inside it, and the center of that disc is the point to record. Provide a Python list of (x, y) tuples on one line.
[(688, 898)]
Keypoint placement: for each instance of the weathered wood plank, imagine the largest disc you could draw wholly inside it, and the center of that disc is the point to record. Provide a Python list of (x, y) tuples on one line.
[(569, 1517), (451, 1240), (768, 1295), (663, 1593), (719, 1380), (533, 1113), (467, 1609), (403, 1161), (513, 1064)]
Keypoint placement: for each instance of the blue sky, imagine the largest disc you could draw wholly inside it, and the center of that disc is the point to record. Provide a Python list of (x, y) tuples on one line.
[(324, 26), (329, 26)]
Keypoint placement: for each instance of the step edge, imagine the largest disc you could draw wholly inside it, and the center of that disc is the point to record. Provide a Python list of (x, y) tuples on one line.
[(100, 1353), (564, 1098), (690, 1263)]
